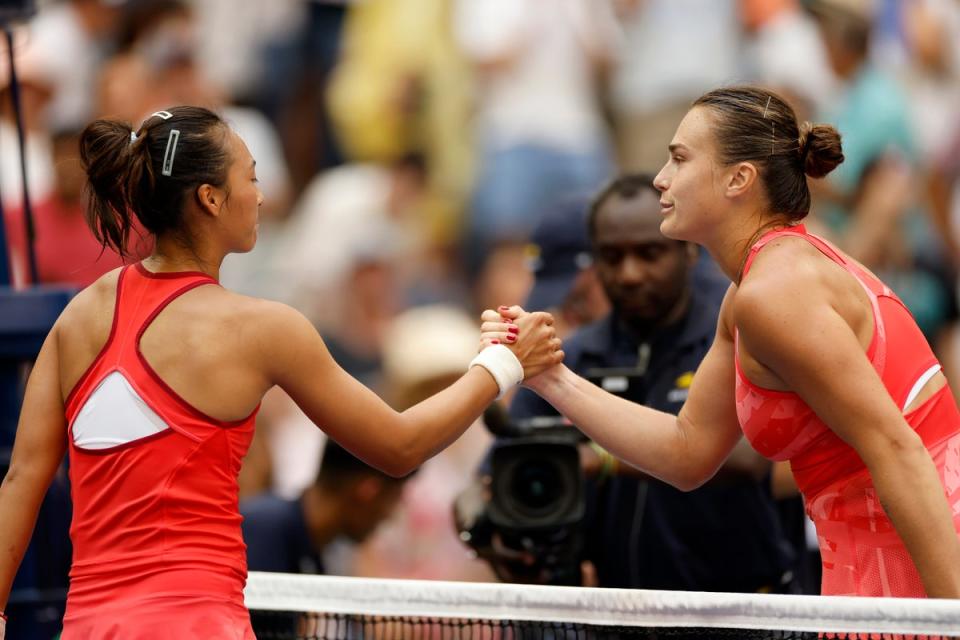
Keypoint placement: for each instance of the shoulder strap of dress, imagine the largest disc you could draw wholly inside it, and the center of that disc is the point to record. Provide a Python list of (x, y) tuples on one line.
[(142, 295)]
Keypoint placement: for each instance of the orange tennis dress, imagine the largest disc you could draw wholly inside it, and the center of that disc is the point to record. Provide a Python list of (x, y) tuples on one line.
[(157, 548), (862, 553)]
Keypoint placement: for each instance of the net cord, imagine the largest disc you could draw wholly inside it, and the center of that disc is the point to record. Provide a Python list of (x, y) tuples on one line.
[(607, 607)]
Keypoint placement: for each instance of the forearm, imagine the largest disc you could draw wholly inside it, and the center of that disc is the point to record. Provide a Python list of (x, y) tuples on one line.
[(910, 492), (433, 424), (651, 440)]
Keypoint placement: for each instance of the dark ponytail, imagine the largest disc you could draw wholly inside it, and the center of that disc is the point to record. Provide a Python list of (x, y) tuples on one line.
[(126, 177)]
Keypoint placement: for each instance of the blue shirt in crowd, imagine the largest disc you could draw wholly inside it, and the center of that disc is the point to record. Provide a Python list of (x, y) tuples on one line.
[(276, 535)]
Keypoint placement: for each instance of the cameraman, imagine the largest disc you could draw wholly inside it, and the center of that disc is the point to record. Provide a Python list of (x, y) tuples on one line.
[(639, 532)]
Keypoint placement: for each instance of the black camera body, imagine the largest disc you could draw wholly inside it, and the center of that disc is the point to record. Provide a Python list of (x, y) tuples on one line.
[(526, 518)]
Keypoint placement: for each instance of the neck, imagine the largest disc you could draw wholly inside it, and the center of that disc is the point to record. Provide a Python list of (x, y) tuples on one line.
[(730, 248), (322, 516), (172, 254)]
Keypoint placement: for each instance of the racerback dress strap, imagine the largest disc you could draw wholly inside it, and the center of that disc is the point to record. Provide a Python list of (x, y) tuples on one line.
[(141, 296)]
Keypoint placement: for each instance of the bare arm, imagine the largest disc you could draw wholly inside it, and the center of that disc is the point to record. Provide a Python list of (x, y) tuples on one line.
[(805, 341), (685, 450), (38, 450), (296, 359)]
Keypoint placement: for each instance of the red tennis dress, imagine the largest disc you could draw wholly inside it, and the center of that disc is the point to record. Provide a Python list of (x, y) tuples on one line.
[(862, 553), (157, 547)]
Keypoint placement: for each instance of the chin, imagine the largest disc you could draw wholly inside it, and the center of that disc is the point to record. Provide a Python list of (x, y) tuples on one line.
[(249, 245), (671, 229), (668, 228)]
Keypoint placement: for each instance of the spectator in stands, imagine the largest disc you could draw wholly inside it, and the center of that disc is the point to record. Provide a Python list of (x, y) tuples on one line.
[(66, 252), (348, 499), (870, 204), (538, 124)]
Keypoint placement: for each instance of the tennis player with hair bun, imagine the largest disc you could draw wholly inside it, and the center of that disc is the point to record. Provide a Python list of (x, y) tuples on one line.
[(815, 360), (151, 379)]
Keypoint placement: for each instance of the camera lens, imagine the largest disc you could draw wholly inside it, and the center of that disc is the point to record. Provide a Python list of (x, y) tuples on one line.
[(537, 485)]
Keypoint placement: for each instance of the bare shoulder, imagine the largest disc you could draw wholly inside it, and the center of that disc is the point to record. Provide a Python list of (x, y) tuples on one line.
[(792, 281), (789, 286), (788, 272), (270, 313), (93, 305), (279, 339), (267, 322)]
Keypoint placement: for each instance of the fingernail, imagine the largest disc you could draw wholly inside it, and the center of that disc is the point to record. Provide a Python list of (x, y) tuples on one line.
[(511, 337), (503, 308), (494, 341), (513, 329)]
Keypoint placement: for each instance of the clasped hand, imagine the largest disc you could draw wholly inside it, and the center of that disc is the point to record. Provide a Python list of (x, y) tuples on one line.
[(531, 337)]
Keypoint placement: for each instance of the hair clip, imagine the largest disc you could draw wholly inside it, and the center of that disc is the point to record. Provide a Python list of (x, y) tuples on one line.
[(166, 115), (171, 151)]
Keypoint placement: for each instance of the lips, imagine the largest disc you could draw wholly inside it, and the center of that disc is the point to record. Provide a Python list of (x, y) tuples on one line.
[(665, 207)]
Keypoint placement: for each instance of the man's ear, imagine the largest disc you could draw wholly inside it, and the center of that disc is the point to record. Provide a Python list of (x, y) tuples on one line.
[(210, 199), (740, 178)]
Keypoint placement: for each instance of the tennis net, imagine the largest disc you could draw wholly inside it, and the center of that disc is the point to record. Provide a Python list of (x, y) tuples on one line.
[(288, 607)]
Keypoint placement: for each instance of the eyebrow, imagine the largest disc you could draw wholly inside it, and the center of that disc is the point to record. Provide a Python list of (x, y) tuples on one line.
[(676, 146)]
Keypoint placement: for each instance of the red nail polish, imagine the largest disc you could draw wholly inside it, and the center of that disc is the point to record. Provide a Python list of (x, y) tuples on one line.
[(511, 337), (513, 329), (503, 308), (494, 341)]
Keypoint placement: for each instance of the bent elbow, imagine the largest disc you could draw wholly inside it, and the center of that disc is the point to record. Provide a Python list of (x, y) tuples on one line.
[(692, 481), (403, 459), (399, 468)]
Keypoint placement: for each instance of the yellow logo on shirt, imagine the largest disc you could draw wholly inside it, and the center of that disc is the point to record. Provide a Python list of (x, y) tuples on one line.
[(684, 381)]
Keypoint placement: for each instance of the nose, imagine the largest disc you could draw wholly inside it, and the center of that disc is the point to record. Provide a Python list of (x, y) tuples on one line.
[(633, 271), (660, 182)]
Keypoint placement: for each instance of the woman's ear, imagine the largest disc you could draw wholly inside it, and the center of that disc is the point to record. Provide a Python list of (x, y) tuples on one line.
[(210, 199), (740, 179)]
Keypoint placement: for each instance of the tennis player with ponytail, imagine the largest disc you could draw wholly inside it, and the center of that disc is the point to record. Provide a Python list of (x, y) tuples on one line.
[(815, 360), (152, 376)]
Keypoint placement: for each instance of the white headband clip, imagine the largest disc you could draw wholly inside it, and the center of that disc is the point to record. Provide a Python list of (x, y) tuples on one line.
[(171, 151)]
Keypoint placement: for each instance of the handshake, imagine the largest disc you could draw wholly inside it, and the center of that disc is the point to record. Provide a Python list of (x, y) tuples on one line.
[(516, 346)]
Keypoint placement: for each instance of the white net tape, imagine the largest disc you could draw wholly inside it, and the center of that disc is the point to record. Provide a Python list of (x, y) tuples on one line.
[(615, 607)]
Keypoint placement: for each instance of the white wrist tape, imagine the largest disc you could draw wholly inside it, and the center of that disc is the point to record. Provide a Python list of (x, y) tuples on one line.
[(502, 364)]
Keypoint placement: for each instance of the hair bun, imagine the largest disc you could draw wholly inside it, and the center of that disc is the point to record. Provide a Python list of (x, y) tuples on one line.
[(820, 149)]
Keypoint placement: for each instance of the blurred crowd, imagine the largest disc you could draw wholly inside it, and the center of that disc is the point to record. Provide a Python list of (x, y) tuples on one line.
[(407, 149)]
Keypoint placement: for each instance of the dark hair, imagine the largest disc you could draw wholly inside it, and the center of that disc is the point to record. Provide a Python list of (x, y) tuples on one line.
[(126, 173), (338, 467), (625, 187), (756, 125)]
